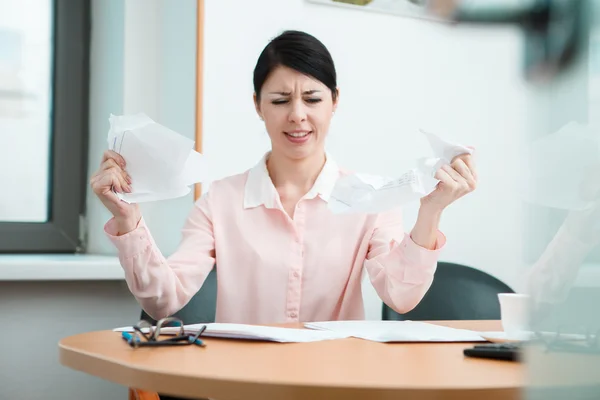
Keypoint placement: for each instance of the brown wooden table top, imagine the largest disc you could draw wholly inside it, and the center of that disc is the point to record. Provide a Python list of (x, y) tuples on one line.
[(335, 369)]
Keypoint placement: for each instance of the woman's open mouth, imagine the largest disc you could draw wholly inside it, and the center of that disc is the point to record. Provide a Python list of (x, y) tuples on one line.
[(298, 137)]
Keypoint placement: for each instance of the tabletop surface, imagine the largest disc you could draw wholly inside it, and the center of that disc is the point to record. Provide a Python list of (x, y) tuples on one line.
[(346, 368)]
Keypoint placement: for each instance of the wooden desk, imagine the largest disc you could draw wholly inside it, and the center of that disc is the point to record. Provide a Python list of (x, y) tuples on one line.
[(346, 369)]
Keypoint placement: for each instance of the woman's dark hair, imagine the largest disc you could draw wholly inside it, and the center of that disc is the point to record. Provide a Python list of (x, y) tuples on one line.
[(301, 52)]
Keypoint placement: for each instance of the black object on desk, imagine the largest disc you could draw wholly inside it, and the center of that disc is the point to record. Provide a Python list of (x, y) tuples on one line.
[(498, 351)]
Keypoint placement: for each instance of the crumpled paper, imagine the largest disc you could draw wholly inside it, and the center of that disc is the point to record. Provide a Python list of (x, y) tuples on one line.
[(363, 193), (162, 164)]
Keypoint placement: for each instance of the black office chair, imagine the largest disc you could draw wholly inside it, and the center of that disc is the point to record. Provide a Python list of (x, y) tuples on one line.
[(458, 292), (200, 309)]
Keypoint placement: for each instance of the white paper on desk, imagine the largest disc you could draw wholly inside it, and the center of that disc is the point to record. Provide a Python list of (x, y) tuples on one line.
[(397, 331), (162, 164), (373, 194), (253, 332)]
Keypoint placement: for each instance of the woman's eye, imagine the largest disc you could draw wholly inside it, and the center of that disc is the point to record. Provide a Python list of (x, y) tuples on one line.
[(284, 101)]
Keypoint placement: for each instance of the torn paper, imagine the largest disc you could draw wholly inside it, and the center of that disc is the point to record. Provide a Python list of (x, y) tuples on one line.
[(162, 164), (362, 193)]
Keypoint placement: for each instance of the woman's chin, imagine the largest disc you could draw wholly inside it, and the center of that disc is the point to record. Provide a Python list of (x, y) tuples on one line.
[(300, 152)]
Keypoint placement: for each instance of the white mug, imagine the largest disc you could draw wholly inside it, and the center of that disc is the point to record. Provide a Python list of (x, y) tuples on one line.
[(515, 311)]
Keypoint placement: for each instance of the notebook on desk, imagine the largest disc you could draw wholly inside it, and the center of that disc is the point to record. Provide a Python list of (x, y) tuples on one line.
[(397, 331), (251, 332), (378, 331)]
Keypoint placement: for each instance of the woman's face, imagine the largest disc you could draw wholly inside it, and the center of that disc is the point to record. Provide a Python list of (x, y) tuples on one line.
[(297, 111)]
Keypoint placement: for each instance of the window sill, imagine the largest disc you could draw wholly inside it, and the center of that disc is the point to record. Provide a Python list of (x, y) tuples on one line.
[(59, 267), (84, 267)]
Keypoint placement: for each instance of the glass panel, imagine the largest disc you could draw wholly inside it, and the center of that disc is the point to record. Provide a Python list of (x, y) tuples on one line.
[(25, 109), (564, 230)]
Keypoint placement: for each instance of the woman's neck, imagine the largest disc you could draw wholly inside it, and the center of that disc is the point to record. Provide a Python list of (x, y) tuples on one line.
[(300, 174)]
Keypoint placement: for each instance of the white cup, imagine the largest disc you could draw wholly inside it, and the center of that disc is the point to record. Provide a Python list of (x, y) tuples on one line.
[(514, 313)]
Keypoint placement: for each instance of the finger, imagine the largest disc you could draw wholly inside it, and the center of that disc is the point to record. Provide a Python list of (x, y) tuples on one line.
[(112, 155), (97, 177), (453, 173), (470, 162), (111, 164), (109, 154), (108, 181), (121, 184), (461, 167), (103, 187), (102, 184), (445, 178)]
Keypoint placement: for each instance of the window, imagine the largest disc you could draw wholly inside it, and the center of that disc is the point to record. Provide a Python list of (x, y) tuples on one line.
[(44, 57)]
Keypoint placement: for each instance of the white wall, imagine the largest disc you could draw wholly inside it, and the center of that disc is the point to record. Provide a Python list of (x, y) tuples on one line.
[(396, 75), (40, 314)]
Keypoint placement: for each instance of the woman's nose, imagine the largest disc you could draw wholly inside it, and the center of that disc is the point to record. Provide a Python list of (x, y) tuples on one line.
[(297, 112)]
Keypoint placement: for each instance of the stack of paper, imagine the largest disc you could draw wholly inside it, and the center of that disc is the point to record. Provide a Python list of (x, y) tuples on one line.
[(252, 332), (397, 331)]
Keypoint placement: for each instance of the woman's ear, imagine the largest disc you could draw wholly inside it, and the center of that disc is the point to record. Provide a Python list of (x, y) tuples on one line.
[(257, 106), (337, 99)]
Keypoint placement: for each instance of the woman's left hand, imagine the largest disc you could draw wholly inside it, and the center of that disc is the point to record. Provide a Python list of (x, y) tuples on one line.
[(456, 179)]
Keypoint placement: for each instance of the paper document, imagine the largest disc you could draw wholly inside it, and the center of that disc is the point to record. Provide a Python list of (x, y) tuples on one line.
[(162, 164), (253, 332), (373, 194), (397, 331)]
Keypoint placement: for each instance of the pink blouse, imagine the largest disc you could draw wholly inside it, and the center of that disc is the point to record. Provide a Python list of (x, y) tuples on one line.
[(272, 268)]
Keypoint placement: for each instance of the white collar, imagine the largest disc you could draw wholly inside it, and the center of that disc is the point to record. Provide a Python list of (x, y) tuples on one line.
[(260, 190)]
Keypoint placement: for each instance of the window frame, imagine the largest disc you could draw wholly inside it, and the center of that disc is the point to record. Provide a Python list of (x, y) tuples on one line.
[(63, 231)]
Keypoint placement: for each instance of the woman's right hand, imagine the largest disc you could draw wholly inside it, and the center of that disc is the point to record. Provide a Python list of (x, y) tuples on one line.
[(111, 175)]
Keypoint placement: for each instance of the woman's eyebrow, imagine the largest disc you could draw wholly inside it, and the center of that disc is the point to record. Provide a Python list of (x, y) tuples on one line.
[(313, 91)]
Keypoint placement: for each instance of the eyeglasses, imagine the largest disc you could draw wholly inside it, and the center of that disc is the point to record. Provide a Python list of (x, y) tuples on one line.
[(146, 335)]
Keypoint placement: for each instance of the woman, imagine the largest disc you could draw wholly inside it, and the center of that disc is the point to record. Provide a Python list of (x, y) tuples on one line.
[(283, 256)]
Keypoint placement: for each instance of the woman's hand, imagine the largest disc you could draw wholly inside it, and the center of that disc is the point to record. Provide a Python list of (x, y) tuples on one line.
[(111, 175), (456, 179)]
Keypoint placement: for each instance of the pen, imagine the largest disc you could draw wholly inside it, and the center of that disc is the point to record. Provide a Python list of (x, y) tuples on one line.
[(196, 339), (128, 337)]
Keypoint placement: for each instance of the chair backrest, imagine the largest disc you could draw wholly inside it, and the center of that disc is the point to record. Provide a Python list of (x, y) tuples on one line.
[(458, 292), (201, 308)]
